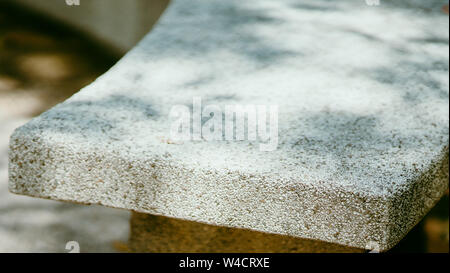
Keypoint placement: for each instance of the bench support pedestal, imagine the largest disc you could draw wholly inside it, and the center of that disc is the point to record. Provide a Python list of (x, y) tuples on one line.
[(150, 233)]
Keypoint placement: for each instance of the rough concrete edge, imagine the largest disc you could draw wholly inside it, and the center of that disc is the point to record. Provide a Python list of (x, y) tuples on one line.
[(375, 206), (418, 202)]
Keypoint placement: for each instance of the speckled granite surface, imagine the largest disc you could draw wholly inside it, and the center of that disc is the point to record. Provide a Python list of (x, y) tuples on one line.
[(363, 121)]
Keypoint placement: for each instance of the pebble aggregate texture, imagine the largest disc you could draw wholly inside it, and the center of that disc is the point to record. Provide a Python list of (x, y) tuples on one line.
[(363, 121)]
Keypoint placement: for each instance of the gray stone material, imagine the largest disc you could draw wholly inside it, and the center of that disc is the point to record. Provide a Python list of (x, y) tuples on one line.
[(363, 121)]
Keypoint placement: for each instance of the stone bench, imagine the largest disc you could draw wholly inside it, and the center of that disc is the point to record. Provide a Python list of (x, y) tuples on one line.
[(362, 148)]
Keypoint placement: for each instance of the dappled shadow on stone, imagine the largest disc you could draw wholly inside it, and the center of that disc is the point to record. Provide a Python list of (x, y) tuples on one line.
[(197, 37), (428, 7), (315, 6), (408, 73), (99, 117)]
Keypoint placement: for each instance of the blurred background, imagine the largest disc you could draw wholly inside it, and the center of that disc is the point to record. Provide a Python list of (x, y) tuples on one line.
[(48, 51)]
